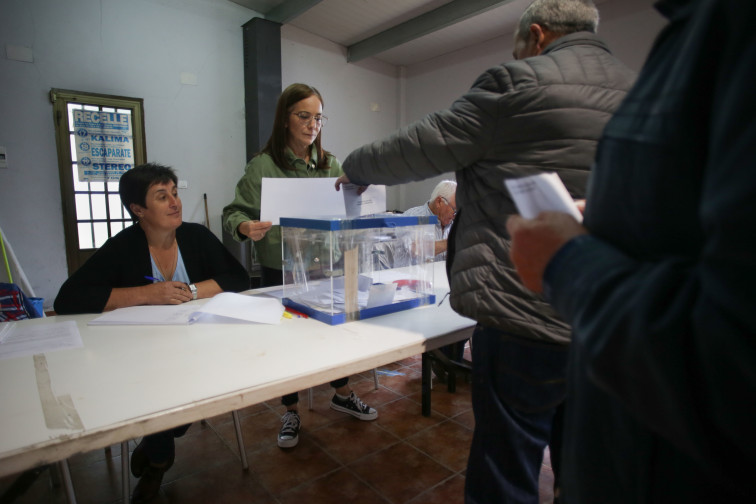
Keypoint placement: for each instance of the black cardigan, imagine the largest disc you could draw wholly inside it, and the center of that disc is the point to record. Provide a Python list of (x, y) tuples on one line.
[(124, 261)]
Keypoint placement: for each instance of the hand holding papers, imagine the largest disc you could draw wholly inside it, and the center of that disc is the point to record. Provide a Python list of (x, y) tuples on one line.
[(306, 197), (542, 193), (226, 307), (371, 201)]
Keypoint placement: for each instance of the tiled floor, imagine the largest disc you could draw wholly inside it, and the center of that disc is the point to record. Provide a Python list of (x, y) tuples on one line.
[(402, 457)]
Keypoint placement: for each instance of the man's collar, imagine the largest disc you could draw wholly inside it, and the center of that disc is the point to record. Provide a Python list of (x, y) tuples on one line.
[(577, 38)]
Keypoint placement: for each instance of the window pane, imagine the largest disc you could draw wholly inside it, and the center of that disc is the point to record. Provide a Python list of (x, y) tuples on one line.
[(112, 187), (108, 109), (71, 108), (85, 235), (73, 148), (101, 233), (116, 208), (78, 186), (97, 186), (82, 207), (98, 207), (116, 227), (124, 111), (91, 107)]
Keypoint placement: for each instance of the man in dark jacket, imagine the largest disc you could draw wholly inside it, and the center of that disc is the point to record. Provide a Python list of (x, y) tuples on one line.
[(543, 112), (659, 283)]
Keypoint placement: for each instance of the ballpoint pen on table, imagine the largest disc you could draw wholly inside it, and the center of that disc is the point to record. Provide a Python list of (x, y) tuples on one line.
[(295, 312)]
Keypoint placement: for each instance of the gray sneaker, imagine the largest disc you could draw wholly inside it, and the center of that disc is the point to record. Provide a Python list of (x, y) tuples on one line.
[(353, 406), (288, 436)]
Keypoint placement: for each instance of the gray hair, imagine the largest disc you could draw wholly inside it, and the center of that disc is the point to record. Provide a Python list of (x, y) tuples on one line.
[(560, 16), (446, 189)]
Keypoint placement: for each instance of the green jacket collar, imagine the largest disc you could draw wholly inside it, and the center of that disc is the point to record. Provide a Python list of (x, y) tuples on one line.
[(299, 163)]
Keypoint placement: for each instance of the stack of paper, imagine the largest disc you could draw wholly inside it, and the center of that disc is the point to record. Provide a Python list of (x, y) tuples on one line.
[(226, 307)]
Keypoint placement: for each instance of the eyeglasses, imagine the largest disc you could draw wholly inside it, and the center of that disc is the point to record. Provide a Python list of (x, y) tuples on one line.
[(306, 117), (449, 205)]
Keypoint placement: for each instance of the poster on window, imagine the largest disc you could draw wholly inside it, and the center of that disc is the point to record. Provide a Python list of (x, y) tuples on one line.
[(104, 145)]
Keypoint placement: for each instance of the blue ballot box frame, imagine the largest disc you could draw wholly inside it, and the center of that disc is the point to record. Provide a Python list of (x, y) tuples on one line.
[(330, 234)]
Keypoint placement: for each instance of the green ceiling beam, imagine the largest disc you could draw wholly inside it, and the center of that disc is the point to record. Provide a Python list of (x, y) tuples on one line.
[(441, 17), (286, 11)]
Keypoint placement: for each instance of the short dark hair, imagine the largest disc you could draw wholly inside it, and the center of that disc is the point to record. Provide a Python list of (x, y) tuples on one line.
[(136, 182)]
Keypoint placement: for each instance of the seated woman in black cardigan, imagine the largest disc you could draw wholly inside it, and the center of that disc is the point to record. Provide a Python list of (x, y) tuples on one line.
[(158, 261)]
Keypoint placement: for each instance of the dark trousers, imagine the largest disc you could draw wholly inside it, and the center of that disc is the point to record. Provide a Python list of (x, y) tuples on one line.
[(270, 277), (517, 386), (160, 447)]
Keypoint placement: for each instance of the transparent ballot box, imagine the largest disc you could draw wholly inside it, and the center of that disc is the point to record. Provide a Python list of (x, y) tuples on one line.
[(337, 270)]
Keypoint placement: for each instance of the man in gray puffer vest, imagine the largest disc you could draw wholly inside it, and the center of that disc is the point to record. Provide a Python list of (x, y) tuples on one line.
[(543, 112)]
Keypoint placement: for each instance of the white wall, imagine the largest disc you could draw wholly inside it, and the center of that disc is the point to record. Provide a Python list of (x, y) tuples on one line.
[(135, 48)]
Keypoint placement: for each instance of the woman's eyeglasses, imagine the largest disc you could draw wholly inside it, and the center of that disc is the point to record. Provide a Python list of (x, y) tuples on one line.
[(306, 117)]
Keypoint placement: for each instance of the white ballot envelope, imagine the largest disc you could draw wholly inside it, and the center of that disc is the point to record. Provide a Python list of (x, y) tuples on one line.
[(544, 192), (310, 197), (370, 202), (299, 197)]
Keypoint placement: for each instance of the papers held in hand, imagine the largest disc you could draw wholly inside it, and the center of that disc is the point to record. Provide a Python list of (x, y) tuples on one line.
[(226, 307), (544, 192)]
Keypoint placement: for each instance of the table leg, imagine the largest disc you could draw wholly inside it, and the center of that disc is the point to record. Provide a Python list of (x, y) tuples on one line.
[(240, 440), (65, 475), (426, 384), (125, 483)]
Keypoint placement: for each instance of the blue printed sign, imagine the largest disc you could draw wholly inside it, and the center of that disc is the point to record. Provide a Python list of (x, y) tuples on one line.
[(104, 145)]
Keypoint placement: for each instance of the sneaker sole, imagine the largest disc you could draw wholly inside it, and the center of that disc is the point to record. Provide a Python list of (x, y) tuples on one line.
[(288, 443), (356, 414)]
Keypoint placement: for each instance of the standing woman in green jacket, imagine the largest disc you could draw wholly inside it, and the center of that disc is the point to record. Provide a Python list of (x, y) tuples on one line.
[(293, 150)]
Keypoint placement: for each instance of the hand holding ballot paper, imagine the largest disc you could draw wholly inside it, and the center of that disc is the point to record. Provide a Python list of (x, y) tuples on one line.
[(533, 196), (544, 192)]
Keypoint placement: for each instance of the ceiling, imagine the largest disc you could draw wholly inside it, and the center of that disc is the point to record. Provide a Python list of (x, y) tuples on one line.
[(401, 32)]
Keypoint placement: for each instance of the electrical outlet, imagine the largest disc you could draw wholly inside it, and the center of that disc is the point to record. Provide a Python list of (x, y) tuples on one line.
[(183, 184)]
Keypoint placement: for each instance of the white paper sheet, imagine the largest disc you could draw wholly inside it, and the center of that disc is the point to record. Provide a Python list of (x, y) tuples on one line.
[(541, 193), (299, 197), (381, 294), (265, 309), (372, 201), (18, 338), (226, 307)]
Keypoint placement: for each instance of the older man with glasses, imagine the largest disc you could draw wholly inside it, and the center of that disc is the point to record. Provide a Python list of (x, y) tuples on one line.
[(442, 204)]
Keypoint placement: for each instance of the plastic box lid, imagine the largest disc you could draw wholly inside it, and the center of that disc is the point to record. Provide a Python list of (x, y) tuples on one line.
[(343, 223)]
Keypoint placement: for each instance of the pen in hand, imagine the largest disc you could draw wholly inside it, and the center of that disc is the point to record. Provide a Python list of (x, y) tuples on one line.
[(152, 279)]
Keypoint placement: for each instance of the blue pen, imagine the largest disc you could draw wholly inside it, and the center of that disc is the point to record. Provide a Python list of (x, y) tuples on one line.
[(152, 279)]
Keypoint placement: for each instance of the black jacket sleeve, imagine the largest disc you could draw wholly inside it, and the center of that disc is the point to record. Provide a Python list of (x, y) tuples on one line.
[(123, 261)]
